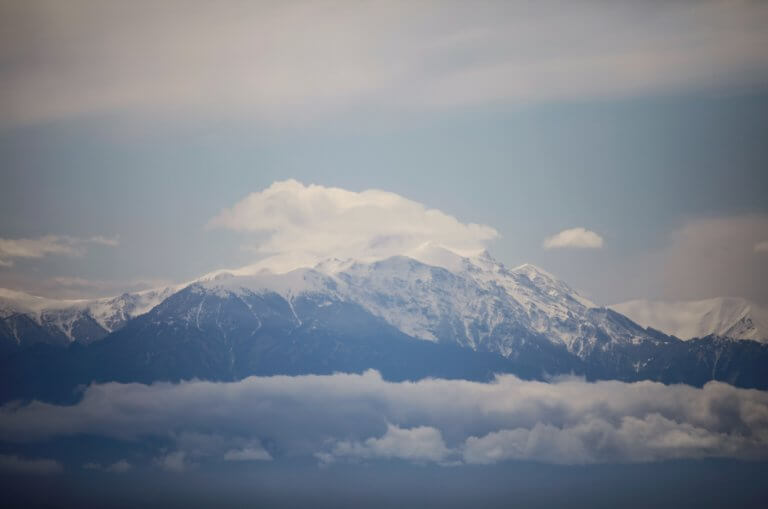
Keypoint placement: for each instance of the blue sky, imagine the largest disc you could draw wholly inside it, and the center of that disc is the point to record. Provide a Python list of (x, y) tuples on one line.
[(641, 122)]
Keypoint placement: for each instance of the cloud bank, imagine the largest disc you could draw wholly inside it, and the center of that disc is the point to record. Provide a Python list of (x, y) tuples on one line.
[(574, 237), (347, 417), (302, 224)]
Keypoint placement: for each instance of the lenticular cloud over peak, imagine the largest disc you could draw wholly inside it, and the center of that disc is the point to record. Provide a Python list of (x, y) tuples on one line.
[(314, 222)]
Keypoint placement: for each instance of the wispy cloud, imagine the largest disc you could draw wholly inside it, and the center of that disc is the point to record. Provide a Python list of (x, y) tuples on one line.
[(175, 461), (761, 247), (575, 238), (20, 465), (296, 59), (708, 257), (40, 247), (251, 453), (105, 241), (118, 467)]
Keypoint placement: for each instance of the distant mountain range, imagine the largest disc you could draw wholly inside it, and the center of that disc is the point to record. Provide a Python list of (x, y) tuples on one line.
[(27, 319), (724, 316), (433, 313)]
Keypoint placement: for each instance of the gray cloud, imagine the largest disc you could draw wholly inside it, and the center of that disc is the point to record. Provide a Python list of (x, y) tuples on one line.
[(702, 258), (20, 465), (713, 257), (118, 467), (39, 247), (248, 454), (347, 417), (297, 59), (175, 461)]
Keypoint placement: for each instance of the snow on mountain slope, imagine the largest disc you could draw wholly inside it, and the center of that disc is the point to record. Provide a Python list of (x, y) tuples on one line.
[(79, 320), (434, 294), (474, 302), (724, 316)]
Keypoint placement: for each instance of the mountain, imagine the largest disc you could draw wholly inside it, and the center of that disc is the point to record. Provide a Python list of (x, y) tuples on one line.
[(724, 316), (27, 319), (438, 315), (213, 333)]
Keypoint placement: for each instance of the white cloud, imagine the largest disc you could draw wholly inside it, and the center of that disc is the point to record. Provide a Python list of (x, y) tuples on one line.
[(307, 223), (40, 247), (650, 438), (574, 237), (419, 444), (364, 418), (761, 247), (299, 59), (16, 464)]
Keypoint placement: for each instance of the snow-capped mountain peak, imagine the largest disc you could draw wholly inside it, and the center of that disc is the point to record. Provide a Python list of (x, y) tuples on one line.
[(440, 295), (433, 293)]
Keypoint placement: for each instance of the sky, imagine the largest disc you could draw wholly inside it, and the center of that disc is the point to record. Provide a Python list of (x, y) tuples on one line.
[(620, 146)]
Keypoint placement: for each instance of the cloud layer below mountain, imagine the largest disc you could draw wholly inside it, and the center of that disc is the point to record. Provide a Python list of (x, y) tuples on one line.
[(349, 417)]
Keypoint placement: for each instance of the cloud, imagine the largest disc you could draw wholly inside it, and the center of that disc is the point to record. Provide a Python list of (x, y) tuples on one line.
[(35, 248), (711, 257), (248, 454), (173, 462), (347, 417), (419, 444), (307, 223), (118, 467), (40, 247), (574, 237), (77, 287), (697, 259), (247, 59), (16, 464), (761, 247), (105, 241), (650, 438)]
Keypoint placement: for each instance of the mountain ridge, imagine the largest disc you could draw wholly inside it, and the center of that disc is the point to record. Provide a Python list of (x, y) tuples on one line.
[(400, 315), (733, 317)]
